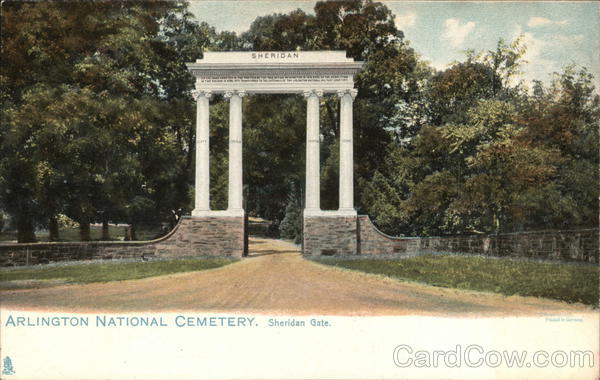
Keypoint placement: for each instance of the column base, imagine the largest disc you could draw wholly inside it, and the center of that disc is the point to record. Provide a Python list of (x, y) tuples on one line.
[(330, 233), (214, 235)]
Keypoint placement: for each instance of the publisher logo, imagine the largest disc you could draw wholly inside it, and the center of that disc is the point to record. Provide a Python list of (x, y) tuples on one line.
[(8, 366)]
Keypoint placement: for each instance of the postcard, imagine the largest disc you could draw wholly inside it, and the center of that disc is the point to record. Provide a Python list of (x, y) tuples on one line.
[(269, 189)]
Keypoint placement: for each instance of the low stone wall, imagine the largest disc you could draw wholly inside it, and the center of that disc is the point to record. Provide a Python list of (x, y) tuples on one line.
[(371, 241), (575, 245), (330, 235), (323, 236), (210, 236)]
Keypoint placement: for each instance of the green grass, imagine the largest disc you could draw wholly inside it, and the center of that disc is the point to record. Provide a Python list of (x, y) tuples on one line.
[(565, 282), (114, 271)]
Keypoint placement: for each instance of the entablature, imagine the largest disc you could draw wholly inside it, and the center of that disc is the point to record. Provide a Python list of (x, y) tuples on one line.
[(274, 72)]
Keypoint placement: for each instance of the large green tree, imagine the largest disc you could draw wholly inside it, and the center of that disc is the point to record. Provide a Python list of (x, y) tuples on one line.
[(492, 157), (102, 98)]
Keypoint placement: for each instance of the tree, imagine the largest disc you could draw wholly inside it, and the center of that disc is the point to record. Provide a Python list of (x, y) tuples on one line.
[(97, 124), (291, 225), (366, 31), (564, 118), (102, 111), (492, 158)]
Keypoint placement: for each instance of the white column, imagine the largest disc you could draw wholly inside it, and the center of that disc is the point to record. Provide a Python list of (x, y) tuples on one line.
[(202, 188), (313, 189), (346, 151), (235, 204)]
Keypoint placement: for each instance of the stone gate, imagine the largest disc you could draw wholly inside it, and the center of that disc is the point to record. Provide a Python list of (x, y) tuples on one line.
[(311, 73)]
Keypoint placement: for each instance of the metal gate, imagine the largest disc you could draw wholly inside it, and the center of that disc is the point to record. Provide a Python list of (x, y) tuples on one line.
[(246, 229)]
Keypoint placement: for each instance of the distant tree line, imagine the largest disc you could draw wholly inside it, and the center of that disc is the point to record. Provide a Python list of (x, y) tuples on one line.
[(98, 124)]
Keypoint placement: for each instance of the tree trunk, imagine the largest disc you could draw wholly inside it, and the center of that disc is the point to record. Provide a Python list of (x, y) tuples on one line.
[(132, 231), (332, 112), (191, 153), (105, 232), (25, 231), (84, 231), (496, 222), (53, 229)]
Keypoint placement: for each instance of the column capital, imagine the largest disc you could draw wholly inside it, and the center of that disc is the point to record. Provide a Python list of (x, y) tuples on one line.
[(351, 91), (309, 93), (240, 93), (197, 94)]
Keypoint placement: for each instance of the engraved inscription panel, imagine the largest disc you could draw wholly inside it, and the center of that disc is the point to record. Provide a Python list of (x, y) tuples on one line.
[(274, 78)]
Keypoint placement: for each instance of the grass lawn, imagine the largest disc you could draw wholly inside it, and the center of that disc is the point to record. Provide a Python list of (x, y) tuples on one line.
[(565, 282), (113, 271)]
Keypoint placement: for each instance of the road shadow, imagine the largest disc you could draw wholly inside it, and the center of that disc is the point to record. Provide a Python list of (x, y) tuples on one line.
[(269, 253), (259, 247), (254, 241)]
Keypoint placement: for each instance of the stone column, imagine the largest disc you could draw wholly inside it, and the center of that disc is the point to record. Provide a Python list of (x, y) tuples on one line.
[(313, 189), (202, 189), (235, 204), (346, 193)]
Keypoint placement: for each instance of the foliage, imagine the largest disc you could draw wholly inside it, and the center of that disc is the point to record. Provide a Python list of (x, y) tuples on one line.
[(493, 158), (65, 222), (564, 282), (97, 124), (366, 31), (96, 120), (273, 152), (291, 225)]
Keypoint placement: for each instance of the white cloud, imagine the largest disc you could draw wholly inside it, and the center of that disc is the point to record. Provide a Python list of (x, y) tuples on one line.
[(534, 22), (533, 44), (456, 33), (540, 51), (406, 20), (539, 66)]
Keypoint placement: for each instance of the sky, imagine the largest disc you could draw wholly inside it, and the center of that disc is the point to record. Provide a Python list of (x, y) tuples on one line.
[(556, 33)]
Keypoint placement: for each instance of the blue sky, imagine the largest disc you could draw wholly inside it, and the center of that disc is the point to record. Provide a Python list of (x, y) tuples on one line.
[(556, 33)]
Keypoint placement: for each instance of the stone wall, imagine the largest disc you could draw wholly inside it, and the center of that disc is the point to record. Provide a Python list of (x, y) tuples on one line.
[(323, 236), (575, 245), (330, 235), (371, 241), (205, 236)]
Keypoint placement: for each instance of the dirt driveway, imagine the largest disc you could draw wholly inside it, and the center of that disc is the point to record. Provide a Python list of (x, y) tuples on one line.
[(275, 279)]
